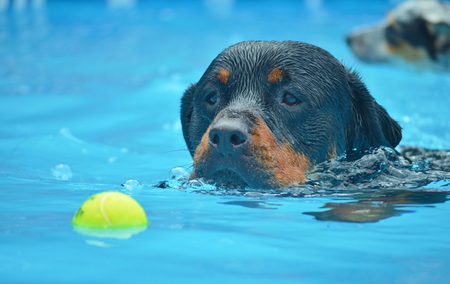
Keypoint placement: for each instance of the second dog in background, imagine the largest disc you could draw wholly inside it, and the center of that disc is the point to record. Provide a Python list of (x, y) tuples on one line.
[(415, 32)]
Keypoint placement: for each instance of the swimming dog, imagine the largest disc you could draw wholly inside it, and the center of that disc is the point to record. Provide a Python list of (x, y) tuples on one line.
[(265, 112), (415, 32)]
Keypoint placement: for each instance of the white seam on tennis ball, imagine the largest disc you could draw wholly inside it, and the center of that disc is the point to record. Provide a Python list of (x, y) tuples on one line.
[(101, 209)]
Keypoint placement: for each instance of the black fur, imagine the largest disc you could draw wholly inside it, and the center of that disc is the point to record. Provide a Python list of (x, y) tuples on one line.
[(336, 109)]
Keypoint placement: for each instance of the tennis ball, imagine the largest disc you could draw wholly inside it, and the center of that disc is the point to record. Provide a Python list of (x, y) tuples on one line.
[(110, 210)]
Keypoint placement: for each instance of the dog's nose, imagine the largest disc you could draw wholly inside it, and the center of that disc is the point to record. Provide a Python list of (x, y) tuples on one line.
[(228, 135)]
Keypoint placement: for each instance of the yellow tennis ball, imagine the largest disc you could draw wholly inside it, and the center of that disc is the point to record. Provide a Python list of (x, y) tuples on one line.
[(110, 210)]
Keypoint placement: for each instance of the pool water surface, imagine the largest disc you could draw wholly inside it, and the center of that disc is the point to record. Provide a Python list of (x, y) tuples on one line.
[(89, 102)]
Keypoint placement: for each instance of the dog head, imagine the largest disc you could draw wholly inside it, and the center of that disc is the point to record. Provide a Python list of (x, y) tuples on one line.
[(416, 32), (263, 113)]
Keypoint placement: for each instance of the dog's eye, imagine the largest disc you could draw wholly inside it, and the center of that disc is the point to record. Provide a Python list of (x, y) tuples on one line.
[(212, 98), (290, 100)]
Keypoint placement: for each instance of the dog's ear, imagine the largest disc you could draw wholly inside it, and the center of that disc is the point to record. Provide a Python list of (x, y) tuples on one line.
[(441, 31), (187, 109), (415, 32), (371, 125)]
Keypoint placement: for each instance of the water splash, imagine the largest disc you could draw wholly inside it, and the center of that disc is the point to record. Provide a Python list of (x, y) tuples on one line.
[(62, 172), (132, 184), (349, 174), (179, 179), (382, 168)]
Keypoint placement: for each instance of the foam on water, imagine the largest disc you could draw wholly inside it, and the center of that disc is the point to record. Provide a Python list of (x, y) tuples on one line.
[(379, 168)]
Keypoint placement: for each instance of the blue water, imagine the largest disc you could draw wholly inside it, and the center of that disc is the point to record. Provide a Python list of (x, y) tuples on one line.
[(89, 99)]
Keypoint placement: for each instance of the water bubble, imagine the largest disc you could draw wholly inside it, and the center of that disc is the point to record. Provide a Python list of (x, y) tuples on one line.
[(132, 184), (196, 184), (178, 176), (62, 172), (179, 179)]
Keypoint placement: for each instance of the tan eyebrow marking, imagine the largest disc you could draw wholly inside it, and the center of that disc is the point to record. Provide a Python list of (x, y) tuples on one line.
[(275, 75), (223, 75)]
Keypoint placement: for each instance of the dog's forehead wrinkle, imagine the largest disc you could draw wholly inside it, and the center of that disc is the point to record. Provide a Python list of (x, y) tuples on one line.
[(246, 98), (247, 58), (247, 55)]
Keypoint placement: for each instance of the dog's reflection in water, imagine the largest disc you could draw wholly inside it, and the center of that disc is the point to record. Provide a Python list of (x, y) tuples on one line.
[(366, 207), (373, 207)]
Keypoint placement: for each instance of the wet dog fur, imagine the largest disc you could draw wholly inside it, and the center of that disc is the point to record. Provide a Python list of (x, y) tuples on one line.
[(265, 112)]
